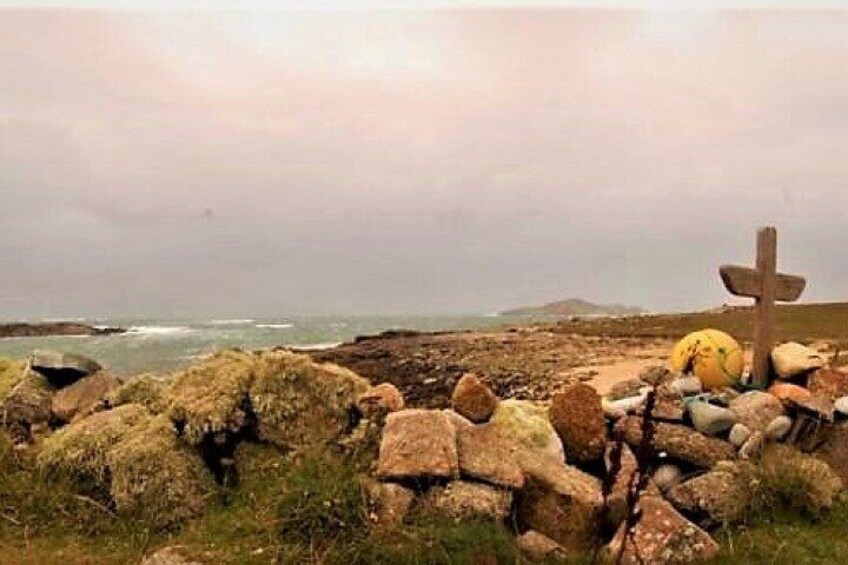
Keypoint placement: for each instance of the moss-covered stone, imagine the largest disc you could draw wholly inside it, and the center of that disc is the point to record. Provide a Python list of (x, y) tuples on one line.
[(11, 373), (297, 401), (81, 450), (147, 390), (27, 404), (156, 479)]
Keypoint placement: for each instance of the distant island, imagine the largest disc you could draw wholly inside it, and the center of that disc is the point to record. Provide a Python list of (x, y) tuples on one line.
[(575, 307), (54, 329)]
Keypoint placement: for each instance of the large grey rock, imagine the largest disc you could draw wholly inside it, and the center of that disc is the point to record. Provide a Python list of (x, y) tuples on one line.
[(792, 359), (718, 497), (463, 500), (757, 409), (661, 536), (487, 454), (709, 419), (62, 369), (418, 444)]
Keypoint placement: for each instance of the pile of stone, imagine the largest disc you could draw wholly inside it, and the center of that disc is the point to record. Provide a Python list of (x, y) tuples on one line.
[(561, 473)]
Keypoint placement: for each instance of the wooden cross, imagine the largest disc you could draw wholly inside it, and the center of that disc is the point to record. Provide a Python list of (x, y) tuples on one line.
[(765, 285)]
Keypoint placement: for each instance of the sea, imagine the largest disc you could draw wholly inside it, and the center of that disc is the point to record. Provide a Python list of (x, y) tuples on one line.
[(164, 345)]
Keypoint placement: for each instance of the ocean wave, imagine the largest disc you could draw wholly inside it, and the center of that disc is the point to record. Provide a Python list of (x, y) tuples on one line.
[(159, 330), (316, 346), (274, 326), (236, 322)]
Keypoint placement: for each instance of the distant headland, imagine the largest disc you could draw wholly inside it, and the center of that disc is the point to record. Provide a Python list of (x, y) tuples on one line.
[(575, 307), (44, 329)]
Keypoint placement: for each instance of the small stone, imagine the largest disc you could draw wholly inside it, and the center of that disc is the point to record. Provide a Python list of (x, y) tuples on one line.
[(756, 409), (792, 359), (387, 503), (668, 404), (787, 392), (617, 409), (578, 418), (667, 476), (829, 383), (539, 547), (841, 405), (687, 386), (753, 446), (778, 428), (709, 419), (739, 434), (657, 375), (473, 399), (418, 444), (381, 399), (463, 500), (167, 556)]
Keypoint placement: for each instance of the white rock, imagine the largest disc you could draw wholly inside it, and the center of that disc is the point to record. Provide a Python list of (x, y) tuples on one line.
[(841, 405), (687, 386), (667, 476), (791, 359), (778, 428), (739, 434)]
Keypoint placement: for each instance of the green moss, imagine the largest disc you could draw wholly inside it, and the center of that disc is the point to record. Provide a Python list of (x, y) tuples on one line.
[(213, 396), (146, 390), (11, 373), (80, 451), (155, 479)]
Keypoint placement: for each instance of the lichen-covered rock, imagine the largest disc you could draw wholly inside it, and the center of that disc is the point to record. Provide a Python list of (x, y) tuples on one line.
[(147, 390), (560, 502), (832, 448), (387, 503), (486, 454), (462, 500), (617, 503), (814, 483), (81, 449), (418, 444), (793, 359), (661, 537), (155, 479), (62, 369), (578, 418), (828, 383), (539, 547), (668, 403), (28, 404), (82, 397), (378, 400), (719, 497), (679, 442), (473, 399), (757, 409), (529, 426)]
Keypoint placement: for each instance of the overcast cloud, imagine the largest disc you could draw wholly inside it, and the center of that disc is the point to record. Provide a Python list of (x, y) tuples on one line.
[(255, 164)]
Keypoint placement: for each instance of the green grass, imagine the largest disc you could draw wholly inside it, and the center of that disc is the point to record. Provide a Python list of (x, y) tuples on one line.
[(795, 322)]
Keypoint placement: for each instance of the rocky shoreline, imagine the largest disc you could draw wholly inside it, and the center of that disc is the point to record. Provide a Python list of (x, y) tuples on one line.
[(47, 329)]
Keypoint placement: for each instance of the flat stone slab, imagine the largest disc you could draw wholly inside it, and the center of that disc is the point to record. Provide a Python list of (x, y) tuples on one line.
[(418, 444)]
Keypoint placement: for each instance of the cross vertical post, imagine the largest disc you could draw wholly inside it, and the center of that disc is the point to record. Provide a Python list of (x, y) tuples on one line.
[(764, 306), (766, 286)]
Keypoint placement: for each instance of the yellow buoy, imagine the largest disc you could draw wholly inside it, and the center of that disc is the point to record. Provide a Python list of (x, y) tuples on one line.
[(712, 356)]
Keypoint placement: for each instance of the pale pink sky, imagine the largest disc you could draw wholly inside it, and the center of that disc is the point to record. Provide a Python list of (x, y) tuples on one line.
[(422, 161)]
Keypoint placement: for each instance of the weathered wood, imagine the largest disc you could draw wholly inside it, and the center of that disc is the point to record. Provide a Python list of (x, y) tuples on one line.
[(744, 281), (764, 308), (765, 285)]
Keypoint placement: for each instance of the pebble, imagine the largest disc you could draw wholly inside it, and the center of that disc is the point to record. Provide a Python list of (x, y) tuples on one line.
[(711, 420), (739, 434), (752, 447), (841, 405), (687, 386), (667, 476), (778, 428)]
